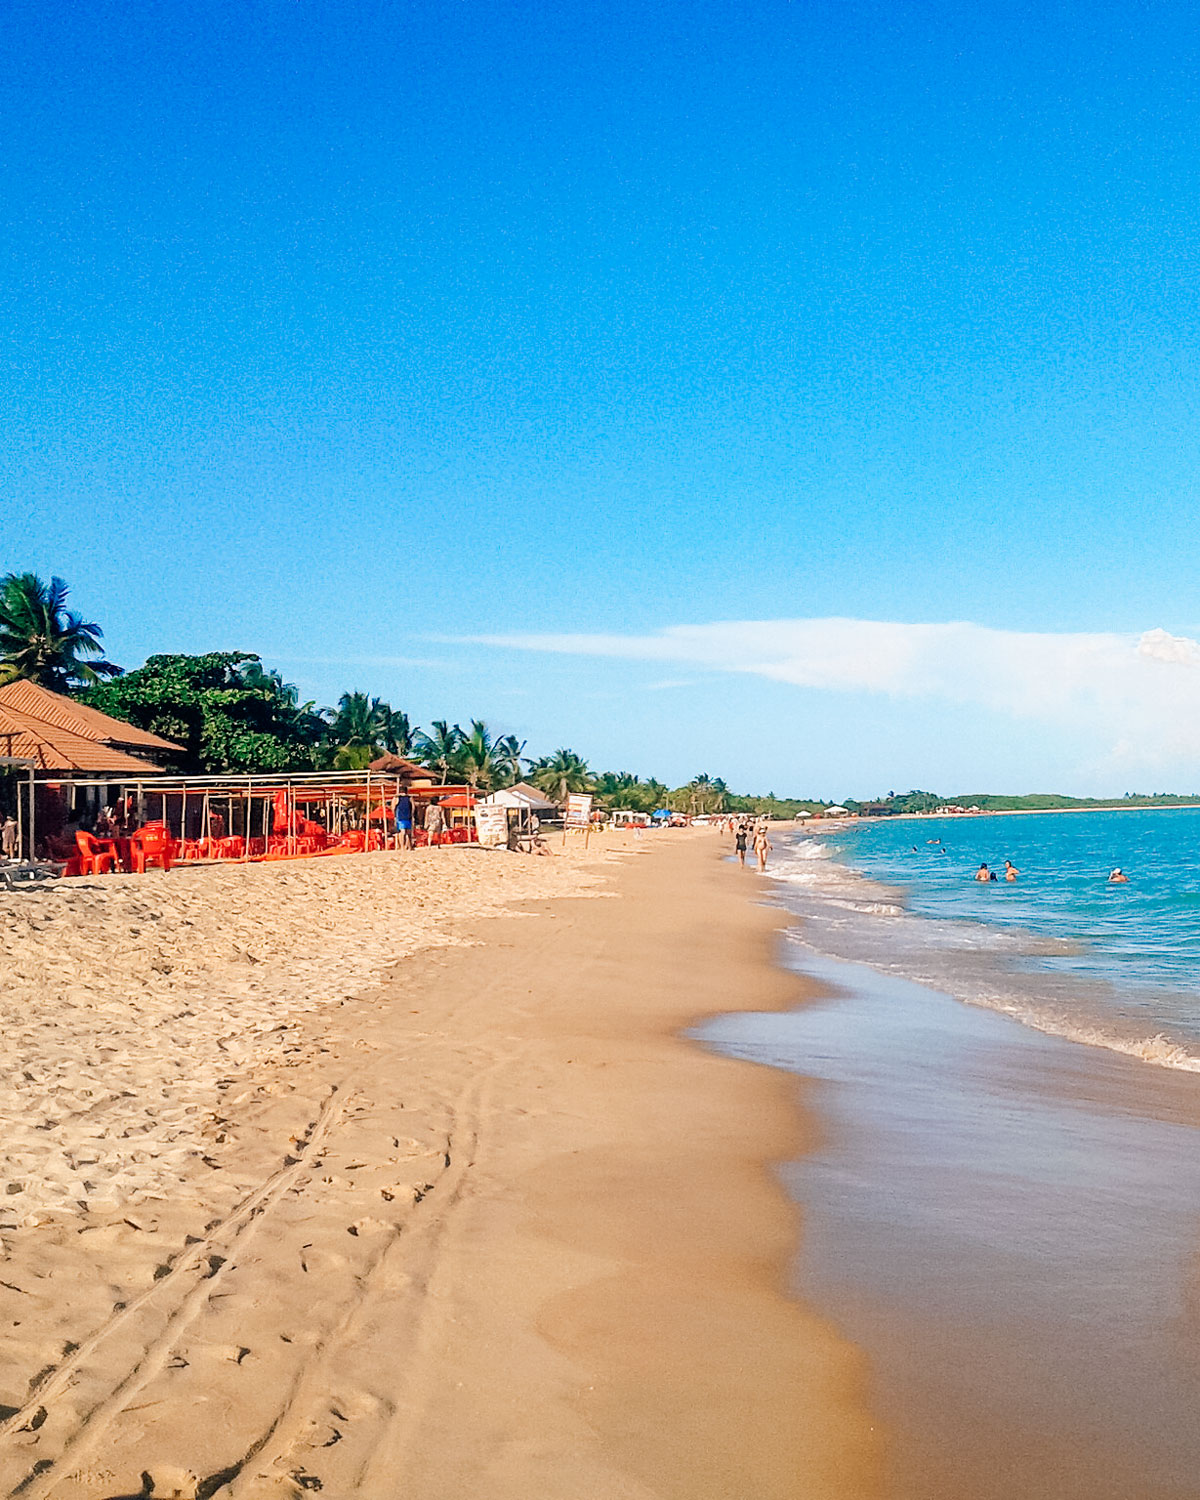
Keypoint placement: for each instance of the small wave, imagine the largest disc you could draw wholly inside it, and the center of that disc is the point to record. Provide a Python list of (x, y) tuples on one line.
[(1002, 969), (1159, 1049), (870, 908), (812, 849)]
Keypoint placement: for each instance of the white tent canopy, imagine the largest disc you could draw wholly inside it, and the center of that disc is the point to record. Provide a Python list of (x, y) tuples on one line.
[(522, 795)]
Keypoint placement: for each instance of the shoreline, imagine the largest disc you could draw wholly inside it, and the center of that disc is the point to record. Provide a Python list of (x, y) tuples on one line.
[(1005, 1223), (493, 1227)]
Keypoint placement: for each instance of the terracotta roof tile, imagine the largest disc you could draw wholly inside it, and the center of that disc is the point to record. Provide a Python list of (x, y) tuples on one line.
[(56, 749), (77, 718)]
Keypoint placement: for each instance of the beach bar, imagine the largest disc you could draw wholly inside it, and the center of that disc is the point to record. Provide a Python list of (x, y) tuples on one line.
[(189, 820), (89, 792)]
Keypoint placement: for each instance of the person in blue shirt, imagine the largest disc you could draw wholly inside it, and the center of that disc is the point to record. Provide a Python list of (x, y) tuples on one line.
[(404, 820)]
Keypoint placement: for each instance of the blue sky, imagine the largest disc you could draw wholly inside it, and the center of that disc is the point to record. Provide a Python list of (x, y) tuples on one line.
[(362, 335)]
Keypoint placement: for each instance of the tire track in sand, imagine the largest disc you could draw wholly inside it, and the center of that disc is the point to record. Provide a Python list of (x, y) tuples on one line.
[(403, 1292), (171, 1303)]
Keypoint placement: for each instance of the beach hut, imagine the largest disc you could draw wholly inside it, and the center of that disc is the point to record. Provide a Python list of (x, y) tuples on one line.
[(525, 797)]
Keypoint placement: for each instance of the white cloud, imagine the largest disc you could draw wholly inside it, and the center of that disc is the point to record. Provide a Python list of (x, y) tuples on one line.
[(1134, 698)]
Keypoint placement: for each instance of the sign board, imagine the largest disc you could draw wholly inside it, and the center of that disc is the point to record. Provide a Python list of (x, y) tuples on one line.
[(579, 810), (491, 824)]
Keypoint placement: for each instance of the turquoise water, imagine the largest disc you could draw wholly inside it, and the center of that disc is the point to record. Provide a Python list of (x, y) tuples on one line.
[(1061, 949)]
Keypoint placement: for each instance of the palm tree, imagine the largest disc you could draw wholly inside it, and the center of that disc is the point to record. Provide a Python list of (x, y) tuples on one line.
[(44, 641), (270, 681), (619, 789), (397, 732), (720, 793), (440, 747), (511, 755), (560, 773), (479, 757), (358, 723), (697, 790)]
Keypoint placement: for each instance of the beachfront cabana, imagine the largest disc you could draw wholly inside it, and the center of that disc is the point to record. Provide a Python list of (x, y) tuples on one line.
[(57, 731), (77, 755), (284, 815)]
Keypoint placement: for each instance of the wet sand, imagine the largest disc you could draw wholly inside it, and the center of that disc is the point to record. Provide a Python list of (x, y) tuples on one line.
[(1008, 1224), (486, 1228)]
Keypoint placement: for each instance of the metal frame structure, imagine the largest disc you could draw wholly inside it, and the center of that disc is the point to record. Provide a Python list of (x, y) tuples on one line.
[(350, 799)]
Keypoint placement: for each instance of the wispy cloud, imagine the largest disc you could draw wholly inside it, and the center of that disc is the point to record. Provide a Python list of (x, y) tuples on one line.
[(361, 661), (1137, 697)]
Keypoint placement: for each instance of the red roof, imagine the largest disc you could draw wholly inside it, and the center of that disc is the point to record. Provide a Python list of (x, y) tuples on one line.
[(59, 734), (54, 749), (77, 718), (396, 765)]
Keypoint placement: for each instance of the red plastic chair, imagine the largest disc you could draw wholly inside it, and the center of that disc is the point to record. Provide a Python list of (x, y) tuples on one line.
[(96, 856), (151, 845)]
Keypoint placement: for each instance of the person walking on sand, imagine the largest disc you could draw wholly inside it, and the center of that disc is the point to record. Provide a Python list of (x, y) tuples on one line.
[(762, 847), (739, 843), (404, 820), (1010, 870), (435, 822)]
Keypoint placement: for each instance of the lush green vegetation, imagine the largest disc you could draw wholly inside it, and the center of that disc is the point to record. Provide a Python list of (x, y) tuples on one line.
[(223, 708)]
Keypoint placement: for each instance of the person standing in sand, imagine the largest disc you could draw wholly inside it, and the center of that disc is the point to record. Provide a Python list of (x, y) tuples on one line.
[(404, 820), (8, 838), (762, 847), (435, 823)]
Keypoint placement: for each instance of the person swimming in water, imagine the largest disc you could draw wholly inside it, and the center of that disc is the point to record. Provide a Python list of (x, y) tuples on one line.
[(983, 874), (1118, 877), (1010, 870)]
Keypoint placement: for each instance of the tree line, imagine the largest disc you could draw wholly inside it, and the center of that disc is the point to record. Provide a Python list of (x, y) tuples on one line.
[(230, 713)]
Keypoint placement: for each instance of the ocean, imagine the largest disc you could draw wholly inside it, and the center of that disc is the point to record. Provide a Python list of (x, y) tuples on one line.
[(1061, 949), (1004, 1221)]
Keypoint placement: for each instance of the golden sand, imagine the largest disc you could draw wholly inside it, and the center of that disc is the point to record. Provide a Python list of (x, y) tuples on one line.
[(488, 1230)]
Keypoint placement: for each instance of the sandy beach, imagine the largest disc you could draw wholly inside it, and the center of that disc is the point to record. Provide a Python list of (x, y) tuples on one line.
[(395, 1177)]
